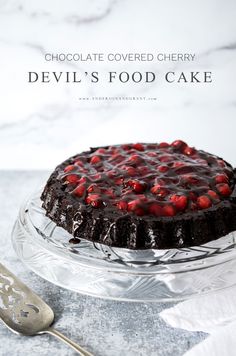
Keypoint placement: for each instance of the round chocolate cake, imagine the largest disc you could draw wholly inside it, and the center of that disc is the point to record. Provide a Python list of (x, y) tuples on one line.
[(143, 196)]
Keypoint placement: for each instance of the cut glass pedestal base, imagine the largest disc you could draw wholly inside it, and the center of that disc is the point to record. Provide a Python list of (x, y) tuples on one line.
[(117, 273)]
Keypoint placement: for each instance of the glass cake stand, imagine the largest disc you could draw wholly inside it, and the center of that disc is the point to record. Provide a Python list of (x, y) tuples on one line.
[(118, 273)]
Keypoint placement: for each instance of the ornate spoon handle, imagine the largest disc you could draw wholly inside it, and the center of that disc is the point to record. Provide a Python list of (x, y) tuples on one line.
[(81, 351)]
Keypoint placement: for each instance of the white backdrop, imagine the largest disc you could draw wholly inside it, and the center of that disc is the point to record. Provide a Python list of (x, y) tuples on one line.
[(42, 124)]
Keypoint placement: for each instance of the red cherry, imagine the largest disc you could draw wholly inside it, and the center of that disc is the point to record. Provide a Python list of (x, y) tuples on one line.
[(137, 186), (168, 210), (160, 191), (95, 160), (151, 154), (213, 194), (122, 205), (110, 192), (116, 158), (189, 151), (180, 201), (101, 150), (94, 200), (178, 164), (126, 147), (69, 168), (155, 189), (111, 174), (131, 171), (115, 151), (143, 170), (166, 158), (79, 163), (204, 202), (138, 147), (135, 159), (160, 182), (80, 190), (72, 178), (155, 209), (221, 178), (119, 181), (191, 179), (93, 188), (133, 204), (179, 145), (224, 189), (164, 145), (82, 180), (163, 169)]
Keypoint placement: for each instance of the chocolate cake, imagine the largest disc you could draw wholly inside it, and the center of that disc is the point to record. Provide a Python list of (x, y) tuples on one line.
[(143, 196)]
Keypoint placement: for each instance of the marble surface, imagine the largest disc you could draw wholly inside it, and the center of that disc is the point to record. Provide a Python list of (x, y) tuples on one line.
[(42, 124), (104, 327)]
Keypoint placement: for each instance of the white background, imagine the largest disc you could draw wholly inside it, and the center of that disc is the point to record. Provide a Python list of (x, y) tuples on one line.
[(42, 124)]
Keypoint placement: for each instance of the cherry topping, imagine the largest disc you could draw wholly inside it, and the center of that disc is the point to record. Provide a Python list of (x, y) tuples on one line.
[(93, 188), (79, 163), (155, 209), (132, 172), (224, 189), (204, 202), (164, 145), (133, 204), (180, 201), (213, 194), (163, 169), (135, 159), (178, 164), (122, 205), (95, 160), (101, 150), (138, 147), (119, 181), (188, 151), (179, 145), (80, 190), (82, 180), (152, 154), (94, 200), (221, 178), (137, 186), (166, 158), (168, 210), (69, 168), (158, 190), (149, 179), (72, 178)]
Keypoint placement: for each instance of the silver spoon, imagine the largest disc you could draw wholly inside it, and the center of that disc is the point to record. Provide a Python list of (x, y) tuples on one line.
[(23, 312)]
